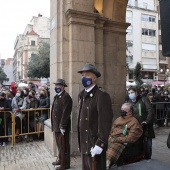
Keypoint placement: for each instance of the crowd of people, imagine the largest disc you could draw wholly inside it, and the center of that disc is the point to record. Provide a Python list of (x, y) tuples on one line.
[(17, 99), (159, 96), (102, 141)]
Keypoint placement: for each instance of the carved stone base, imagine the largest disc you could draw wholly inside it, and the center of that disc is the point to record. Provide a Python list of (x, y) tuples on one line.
[(49, 138)]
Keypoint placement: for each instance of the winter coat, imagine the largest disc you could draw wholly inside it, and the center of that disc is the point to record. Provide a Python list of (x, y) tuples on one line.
[(60, 112), (7, 107), (18, 103), (94, 119), (32, 102), (124, 130), (44, 102), (143, 112)]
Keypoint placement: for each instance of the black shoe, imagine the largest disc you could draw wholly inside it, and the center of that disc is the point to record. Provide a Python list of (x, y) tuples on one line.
[(59, 168), (67, 167), (56, 163)]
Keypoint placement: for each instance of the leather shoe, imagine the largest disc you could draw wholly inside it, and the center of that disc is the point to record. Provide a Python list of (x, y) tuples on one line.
[(56, 163), (59, 168)]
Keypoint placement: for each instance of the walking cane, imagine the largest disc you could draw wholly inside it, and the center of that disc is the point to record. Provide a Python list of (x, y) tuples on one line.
[(93, 163), (62, 141), (94, 158)]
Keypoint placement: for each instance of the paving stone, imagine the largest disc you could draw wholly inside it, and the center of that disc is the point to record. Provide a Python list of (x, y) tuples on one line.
[(35, 156)]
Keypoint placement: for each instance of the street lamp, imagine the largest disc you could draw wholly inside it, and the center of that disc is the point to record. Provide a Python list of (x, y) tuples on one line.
[(165, 72)]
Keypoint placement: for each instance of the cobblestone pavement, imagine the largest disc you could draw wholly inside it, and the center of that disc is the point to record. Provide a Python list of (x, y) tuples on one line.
[(30, 156), (35, 156), (160, 149)]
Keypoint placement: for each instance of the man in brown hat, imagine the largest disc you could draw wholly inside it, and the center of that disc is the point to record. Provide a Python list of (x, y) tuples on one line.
[(61, 123), (94, 120)]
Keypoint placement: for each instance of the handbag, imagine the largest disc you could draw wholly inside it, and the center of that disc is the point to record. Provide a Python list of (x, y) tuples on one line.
[(168, 141)]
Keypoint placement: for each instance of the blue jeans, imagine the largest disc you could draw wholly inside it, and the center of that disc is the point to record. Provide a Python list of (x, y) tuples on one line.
[(148, 152)]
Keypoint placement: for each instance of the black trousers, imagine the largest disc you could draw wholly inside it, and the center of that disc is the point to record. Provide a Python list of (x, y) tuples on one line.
[(3, 126), (63, 152), (99, 161)]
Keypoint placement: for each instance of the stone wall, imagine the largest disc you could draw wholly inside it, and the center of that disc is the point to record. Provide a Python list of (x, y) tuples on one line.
[(79, 36)]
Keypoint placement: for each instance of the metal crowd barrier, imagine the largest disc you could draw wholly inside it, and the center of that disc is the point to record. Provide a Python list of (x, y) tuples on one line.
[(35, 114), (162, 111), (7, 125)]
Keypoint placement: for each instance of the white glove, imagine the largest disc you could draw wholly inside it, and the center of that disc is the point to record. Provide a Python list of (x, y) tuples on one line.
[(62, 131), (96, 150)]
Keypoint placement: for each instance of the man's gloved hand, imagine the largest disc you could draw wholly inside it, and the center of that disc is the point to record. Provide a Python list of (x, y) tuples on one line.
[(96, 150), (62, 131)]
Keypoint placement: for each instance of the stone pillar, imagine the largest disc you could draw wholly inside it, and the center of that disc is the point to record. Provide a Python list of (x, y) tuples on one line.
[(79, 36), (114, 57)]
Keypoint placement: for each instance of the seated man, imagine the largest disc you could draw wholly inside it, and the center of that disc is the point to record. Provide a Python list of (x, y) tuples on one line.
[(126, 129)]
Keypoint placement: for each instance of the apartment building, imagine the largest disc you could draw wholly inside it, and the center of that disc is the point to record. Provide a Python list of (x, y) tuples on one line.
[(27, 44), (142, 38)]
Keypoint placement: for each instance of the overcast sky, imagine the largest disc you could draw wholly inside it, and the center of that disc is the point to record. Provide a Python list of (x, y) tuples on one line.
[(14, 16)]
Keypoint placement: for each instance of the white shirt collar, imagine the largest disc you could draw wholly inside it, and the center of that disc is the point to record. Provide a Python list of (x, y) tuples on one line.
[(90, 88)]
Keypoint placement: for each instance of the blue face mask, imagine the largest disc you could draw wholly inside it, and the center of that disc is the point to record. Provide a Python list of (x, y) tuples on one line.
[(86, 81), (57, 89), (132, 96), (17, 94)]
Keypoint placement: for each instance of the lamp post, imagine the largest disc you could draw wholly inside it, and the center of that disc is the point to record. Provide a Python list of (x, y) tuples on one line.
[(165, 72)]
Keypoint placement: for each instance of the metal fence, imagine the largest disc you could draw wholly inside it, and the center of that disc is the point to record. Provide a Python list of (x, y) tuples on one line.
[(162, 111), (7, 125), (31, 122)]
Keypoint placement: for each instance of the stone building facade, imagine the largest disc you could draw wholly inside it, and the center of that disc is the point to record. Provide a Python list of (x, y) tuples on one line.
[(27, 44), (79, 36)]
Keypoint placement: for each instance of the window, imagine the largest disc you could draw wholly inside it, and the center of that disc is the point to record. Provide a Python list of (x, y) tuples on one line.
[(148, 32), (145, 5), (129, 29), (151, 19), (144, 31), (33, 43), (152, 32), (128, 14), (33, 55), (148, 18), (150, 47)]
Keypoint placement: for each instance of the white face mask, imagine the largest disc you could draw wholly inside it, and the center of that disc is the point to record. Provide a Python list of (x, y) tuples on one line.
[(132, 96), (18, 95)]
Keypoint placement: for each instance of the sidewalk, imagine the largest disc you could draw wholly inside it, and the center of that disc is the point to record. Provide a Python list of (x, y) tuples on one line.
[(35, 156)]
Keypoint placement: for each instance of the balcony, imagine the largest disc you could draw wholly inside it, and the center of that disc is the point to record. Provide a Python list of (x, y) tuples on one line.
[(30, 48)]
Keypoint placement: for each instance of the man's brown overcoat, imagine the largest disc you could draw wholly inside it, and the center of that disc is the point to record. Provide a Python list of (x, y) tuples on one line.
[(94, 119)]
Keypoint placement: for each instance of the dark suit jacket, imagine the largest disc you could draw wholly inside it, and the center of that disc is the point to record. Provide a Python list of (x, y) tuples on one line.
[(94, 120), (60, 112)]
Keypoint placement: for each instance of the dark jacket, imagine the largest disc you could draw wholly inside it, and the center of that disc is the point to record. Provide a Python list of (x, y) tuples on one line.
[(146, 115), (7, 106), (94, 120), (32, 102), (60, 112), (44, 102)]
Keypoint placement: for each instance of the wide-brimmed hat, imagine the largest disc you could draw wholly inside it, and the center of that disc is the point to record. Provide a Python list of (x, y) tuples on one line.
[(91, 68), (61, 82)]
